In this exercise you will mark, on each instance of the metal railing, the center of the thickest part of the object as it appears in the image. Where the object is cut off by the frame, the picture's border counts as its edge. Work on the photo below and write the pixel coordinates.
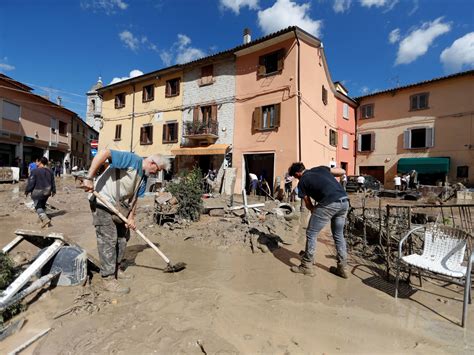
(198, 128)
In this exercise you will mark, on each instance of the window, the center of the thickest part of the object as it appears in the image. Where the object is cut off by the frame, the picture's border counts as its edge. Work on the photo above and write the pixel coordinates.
(172, 87)
(333, 138)
(11, 111)
(367, 111)
(206, 114)
(120, 100)
(148, 93)
(324, 95)
(345, 111)
(77, 146)
(146, 135)
(345, 141)
(54, 125)
(419, 101)
(462, 172)
(271, 63)
(93, 105)
(266, 118)
(77, 128)
(207, 75)
(118, 132)
(366, 142)
(62, 127)
(170, 132)
(422, 137)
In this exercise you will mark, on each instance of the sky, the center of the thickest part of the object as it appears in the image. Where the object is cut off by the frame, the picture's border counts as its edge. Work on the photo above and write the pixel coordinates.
(61, 47)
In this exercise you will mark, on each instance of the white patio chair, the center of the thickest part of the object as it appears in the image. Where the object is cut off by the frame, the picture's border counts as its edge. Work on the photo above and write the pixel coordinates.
(446, 251)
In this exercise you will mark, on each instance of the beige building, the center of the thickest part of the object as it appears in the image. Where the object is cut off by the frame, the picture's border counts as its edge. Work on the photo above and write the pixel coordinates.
(427, 127)
(143, 114)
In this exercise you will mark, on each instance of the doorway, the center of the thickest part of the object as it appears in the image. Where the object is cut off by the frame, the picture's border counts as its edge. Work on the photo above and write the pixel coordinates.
(377, 172)
(262, 165)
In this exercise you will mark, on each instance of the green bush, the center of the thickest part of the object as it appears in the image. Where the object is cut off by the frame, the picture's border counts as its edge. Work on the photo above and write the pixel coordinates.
(7, 275)
(188, 191)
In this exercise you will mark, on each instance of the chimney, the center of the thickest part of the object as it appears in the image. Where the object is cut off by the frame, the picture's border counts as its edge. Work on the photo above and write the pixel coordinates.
(247, 37)
(58, 100)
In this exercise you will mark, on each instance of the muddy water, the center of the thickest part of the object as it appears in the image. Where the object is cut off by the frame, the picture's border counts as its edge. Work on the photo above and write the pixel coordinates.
(229, 300)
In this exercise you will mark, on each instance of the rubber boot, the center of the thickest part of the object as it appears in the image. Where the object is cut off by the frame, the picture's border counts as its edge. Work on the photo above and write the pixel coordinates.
(45, 221)
(122, 275)
(305, 268)
(111, 284)
(340, 270)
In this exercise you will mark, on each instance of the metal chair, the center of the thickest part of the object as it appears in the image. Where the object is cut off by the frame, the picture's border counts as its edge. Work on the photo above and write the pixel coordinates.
(447, 251)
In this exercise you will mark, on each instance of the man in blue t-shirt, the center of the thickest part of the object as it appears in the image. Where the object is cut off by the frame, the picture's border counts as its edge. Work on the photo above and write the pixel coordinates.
(320, 185)
(121, 184)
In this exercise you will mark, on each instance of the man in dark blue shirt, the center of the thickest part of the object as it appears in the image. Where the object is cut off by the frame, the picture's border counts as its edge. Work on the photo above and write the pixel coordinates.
(320, 185)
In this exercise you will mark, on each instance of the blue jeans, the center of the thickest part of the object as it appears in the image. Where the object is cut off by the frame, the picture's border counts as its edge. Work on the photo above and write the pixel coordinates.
(335, 212)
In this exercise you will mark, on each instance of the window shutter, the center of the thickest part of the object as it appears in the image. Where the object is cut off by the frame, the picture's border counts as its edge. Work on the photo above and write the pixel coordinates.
(429, 137)
(214, 113)
(165, 128)
(142, 135)
(175, 132)
(336, 138)
(407, 139)
(261, 66)
(150, 138)
(178, 84)
(196, 114)
(413, 101)
(281, 59)
(256, 119)
(359, 143)
(345, 141)
(345, 111)
(372, 142)
(277, 115)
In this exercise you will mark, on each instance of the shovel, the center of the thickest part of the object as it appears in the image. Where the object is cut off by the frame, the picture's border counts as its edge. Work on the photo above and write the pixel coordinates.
(169, 267)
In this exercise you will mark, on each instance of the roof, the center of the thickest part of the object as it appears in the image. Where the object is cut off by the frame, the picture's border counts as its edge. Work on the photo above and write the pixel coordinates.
(456, 75)
(221, 54)
(16, 83)
(99, 84)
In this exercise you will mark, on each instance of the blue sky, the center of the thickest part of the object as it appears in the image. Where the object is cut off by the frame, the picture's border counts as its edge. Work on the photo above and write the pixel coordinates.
(61, 47)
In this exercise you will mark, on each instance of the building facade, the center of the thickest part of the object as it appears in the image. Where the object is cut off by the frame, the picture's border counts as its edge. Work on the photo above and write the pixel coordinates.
(346, 130)
(208, 113)
(31, 126)
(82, 136)
(425, 127)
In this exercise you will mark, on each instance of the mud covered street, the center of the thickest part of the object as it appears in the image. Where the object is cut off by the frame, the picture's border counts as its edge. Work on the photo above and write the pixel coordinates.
(228, 300)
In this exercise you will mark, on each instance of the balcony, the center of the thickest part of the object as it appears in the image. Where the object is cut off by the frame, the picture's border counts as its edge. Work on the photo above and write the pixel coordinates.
(201, 131)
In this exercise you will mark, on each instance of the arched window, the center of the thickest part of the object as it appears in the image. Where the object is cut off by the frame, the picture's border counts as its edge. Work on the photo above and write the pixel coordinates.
(93, 105)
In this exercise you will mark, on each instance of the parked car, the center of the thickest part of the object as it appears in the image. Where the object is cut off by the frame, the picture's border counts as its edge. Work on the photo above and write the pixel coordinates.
(370, 183)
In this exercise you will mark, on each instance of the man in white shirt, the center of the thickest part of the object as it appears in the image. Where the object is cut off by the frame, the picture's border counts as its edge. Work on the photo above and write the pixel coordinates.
(253, 184)
(397, 181)
(361, 183)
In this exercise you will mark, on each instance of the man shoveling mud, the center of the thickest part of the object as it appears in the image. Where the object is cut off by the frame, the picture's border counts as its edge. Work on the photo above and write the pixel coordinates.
(320, 185)
(121, 184)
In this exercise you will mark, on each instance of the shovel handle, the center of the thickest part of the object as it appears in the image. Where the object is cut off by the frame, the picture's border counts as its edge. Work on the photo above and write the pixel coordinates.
(123, 218)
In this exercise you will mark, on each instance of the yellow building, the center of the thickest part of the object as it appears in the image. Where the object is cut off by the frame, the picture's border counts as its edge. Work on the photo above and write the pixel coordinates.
(143, 114)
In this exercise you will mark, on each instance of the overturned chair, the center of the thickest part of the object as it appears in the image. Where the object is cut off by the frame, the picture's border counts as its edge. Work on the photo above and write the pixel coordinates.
(447, 251)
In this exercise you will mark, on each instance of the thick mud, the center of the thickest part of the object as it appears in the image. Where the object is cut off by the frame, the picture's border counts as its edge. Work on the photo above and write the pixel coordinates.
(228, 299)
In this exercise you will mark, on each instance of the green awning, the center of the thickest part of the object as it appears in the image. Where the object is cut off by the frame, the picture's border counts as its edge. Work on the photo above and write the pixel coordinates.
(424, 165)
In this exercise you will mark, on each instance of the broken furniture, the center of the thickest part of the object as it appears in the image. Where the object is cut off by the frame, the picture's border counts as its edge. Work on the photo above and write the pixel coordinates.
(59, 258)
(446, 250)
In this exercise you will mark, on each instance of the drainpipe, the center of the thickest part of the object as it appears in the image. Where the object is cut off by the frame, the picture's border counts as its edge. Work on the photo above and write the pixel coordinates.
(133, 118)
(299, 99)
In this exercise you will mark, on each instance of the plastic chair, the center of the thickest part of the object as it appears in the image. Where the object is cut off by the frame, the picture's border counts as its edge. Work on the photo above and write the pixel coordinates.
(446, 251)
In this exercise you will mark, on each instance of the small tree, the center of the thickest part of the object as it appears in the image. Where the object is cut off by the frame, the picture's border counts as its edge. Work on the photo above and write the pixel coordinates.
(188, 191)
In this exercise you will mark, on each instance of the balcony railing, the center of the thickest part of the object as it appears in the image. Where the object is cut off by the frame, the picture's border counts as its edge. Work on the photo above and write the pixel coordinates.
(201, 130)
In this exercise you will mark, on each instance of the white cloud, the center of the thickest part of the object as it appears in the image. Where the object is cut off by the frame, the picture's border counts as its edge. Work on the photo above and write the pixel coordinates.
(341, 6)
(181, 52)
(108, 6)
(133, 74)
(416, 5)
(419, 40)
(364, 90)
(235, 5)
(6, 67)
(378, 3)
(460, 54)
(286, 13)
(129, 40)
(394, 36)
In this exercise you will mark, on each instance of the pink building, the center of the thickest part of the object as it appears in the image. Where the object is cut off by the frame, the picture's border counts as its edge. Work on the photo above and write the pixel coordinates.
(346, 129)
(285, 107)
(31, 126)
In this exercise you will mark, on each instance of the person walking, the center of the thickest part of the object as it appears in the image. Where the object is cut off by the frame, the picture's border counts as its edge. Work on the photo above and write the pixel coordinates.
(57, 171)
(253, 184)
(122, 182)
(343, 181)
(361, 183)
(41, 185)
(320, 185)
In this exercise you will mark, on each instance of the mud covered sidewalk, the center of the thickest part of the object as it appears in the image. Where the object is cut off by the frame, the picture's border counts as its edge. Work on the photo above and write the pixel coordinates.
(228, 300)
